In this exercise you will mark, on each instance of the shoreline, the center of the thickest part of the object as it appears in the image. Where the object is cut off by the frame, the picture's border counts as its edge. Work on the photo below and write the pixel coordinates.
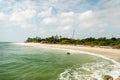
(111, 53)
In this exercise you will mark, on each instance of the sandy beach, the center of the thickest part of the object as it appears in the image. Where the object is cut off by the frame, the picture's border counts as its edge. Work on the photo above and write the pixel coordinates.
(111, 53)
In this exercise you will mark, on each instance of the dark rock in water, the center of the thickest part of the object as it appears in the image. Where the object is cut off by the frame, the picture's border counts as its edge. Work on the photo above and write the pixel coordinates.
(68, 53)
(107, 77)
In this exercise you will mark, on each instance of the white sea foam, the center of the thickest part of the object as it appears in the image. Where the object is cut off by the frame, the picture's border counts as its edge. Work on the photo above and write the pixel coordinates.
(92, 70)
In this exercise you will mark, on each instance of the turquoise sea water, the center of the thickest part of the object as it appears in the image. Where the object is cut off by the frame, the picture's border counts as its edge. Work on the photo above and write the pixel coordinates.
(20, 62)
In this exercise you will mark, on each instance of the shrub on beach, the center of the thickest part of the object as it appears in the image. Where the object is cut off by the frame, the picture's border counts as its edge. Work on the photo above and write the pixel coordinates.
(103, 41)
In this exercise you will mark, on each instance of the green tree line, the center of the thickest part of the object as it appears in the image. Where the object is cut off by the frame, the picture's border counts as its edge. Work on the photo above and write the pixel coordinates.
(102, 41)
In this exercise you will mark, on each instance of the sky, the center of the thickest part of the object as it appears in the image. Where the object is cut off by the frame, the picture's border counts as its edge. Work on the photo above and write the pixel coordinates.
(20, 19)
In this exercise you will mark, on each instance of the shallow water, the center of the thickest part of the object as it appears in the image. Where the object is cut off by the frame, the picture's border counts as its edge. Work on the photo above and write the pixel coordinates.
(19, 62)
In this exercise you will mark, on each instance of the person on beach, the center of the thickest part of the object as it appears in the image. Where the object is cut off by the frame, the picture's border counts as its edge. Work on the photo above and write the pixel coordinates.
(118, 78)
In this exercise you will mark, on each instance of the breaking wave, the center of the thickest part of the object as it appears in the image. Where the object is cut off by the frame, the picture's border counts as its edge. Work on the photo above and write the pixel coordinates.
(92, 71)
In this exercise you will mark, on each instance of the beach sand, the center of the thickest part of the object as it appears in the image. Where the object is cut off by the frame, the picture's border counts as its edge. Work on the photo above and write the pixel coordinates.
(111, 53)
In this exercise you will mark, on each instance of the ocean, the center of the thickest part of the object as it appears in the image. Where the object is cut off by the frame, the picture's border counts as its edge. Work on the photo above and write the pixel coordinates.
(20, 62)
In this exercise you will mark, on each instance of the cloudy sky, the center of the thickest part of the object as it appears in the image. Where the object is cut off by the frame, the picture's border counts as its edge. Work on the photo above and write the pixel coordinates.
(20, 19)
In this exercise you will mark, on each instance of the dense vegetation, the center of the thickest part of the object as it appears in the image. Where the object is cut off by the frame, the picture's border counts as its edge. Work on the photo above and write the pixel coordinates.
(103, 41)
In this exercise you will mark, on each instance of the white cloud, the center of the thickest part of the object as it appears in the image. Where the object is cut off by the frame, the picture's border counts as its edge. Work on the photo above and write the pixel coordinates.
(109, 16)
(86, 24)
(66, 14)
(112, 4)
(53, 1)
(2, 16)
(67, 21)
(45, 13)
(27, 25)
(49, 21)
(23, 5)
(86, 19)
(62, 15)
(22, 18)
(22, 15)
(64, 28)
(82, 20)
(86, 15)
(67, 28)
